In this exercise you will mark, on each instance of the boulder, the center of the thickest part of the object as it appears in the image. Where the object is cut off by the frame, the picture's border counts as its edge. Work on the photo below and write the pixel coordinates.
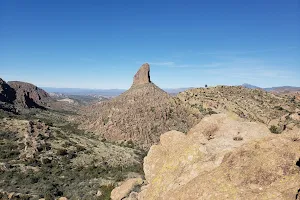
(223, 158)
(125, 188)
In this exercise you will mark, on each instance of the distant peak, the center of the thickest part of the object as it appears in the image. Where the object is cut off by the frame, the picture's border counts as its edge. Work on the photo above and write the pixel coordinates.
(247, 85)
(142, 76)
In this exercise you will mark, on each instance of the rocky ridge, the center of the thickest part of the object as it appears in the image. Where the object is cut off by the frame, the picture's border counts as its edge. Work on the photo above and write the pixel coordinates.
(250, 104)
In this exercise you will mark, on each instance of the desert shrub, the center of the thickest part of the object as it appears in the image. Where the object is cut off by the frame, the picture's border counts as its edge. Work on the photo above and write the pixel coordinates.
(105, 120)
(80, 148)
(278, 108)
(130, 144)
(61, 152)
(106, 190)
(274, 129)
(199, 107)
(210, 111)
(237, 138)
(8, 150)
(49, 196)
(39, 126)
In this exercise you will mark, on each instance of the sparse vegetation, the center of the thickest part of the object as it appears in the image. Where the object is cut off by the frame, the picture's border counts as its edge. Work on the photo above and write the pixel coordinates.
(64, 170)
(237, 138)
(274, 129)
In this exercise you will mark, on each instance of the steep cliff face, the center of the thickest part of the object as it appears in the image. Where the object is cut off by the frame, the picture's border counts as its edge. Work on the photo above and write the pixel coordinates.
(7, 94)
(141, 114)
(223, 158)
(7, 97)
(142, 76)
(29, 95)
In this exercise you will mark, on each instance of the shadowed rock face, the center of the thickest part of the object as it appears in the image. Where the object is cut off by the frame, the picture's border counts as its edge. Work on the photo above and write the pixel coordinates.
(29, 95)
(7, 94)
(7, 97)
(142, 76)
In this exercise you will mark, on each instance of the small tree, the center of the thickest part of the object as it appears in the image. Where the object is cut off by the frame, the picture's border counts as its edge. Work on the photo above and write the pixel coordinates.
(205, 85)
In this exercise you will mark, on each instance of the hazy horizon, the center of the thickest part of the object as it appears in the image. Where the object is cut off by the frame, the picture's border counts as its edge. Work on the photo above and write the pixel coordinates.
(101, 45)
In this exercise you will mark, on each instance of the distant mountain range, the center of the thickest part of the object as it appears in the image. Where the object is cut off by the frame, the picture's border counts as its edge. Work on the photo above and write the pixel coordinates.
(172, 91)
(274, 89)
(102, 92)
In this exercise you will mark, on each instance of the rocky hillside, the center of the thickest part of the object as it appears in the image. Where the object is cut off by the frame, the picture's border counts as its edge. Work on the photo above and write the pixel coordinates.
(139, 115)
(29, 95)
(220, 158)
(44, 156)
(251, 104)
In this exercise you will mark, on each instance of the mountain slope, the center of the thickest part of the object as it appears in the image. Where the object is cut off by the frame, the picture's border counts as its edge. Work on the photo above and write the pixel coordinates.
(141, 114)
(250, 104)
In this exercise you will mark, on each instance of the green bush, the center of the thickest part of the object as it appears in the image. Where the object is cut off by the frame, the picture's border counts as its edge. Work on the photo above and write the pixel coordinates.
(274, 129)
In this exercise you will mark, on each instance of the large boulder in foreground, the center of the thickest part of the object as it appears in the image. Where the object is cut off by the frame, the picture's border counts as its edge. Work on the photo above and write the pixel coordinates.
(223, 158)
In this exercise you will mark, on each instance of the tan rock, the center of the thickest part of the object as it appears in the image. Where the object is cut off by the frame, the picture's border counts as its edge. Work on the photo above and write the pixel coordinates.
(142, 76)
(208, 163)
(132, 196)
(295, 116)
(125, 188)
(99, 193)
(62, 198)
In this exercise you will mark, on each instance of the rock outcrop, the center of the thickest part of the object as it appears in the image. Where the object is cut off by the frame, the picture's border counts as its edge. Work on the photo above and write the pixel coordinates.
(29, 95)
(223, 158)
(7, 97)
(139, 115)
(7, 94)
(142, 76)
(125, 188)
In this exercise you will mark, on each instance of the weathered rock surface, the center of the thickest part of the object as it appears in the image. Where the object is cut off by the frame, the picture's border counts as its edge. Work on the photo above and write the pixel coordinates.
(223, 158)
(139, 115)
(125, 188)
(142, 76)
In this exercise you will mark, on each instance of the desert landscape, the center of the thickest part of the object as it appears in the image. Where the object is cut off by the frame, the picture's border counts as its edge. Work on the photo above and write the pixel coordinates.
(228, 142)
(149, 100)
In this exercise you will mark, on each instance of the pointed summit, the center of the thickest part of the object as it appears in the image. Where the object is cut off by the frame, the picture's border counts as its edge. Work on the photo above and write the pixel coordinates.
(142, 76)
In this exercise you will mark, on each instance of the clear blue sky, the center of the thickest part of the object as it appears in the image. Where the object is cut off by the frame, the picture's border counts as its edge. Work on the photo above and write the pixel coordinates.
(101, 44)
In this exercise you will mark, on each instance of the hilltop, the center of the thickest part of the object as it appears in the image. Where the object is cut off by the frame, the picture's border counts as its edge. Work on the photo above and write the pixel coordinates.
(250, 104)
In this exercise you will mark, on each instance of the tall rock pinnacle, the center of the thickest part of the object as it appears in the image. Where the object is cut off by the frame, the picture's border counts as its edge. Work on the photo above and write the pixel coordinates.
(142, 76)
